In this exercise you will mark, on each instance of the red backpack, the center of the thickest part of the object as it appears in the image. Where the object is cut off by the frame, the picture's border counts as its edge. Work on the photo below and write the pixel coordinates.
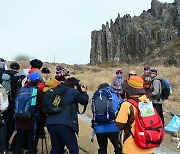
(149, 130)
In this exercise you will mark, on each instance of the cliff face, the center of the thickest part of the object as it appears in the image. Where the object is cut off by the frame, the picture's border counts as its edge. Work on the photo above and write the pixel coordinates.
(136, 39)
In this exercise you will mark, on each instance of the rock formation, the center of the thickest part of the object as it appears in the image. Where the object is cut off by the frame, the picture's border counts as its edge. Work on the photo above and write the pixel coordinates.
(133, 39)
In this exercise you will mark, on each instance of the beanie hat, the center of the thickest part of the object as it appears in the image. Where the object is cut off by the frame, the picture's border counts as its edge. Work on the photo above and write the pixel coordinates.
(34, 76)
(61, 72)
(15, 66)
(134, 86)
(45, 70)
(36, 63)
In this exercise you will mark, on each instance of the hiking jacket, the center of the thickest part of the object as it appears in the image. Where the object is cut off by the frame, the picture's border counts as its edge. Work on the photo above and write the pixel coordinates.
(109, 126)
(125, 120)
(29, 124)
(116, 84)
(147, 83)
(156, 89)
(69, 116)
(51, 84)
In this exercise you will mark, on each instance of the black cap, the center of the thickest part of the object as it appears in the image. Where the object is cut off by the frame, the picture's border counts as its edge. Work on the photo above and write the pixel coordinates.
(45, 70)
(14, 66)
(153, 70)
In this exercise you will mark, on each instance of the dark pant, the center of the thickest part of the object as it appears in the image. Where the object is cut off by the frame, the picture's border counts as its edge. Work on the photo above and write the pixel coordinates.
(8, 117)
(62, 135)
(159, 109)
(102, 139)
(2, 134)
(21, 137)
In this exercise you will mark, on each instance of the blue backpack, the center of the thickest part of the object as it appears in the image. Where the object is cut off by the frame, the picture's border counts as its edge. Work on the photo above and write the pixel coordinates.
(102, 107)
(25, 103)
(166, 89)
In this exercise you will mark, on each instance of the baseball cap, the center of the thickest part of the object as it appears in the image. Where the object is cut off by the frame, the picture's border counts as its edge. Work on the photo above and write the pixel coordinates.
(45, 70)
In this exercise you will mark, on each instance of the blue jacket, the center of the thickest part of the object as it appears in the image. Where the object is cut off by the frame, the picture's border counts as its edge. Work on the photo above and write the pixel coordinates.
(69, 115)
(109, 126)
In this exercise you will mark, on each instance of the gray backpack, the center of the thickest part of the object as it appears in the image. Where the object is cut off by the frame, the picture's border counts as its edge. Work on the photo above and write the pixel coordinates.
(6, 83)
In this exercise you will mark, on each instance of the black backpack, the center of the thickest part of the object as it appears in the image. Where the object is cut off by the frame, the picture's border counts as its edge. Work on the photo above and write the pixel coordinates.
(52, 103)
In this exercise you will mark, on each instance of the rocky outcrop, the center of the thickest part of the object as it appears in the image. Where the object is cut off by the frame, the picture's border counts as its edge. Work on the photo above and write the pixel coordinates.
(133, 39)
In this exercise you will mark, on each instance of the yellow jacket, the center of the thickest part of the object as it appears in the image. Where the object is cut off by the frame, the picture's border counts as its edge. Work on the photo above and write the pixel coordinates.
(51, 84)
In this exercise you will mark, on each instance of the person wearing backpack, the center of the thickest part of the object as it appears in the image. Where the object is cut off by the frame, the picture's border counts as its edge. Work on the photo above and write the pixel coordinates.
(3, 106)
(28, 114)
(105, 129)
(10, 83)
(126, 117)
(155, 94)
(63, 126)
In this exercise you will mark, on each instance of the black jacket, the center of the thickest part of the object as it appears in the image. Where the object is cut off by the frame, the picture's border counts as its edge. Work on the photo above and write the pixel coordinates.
(68, 116)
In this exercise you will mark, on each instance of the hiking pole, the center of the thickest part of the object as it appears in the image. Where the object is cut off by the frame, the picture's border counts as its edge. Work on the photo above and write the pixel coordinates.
(92, 135)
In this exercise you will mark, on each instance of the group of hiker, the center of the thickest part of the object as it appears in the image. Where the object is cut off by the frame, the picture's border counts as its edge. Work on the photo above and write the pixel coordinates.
(32, 99)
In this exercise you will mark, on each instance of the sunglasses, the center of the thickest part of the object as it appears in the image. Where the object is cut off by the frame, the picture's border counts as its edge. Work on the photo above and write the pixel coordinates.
(132, 74)
(118, 72)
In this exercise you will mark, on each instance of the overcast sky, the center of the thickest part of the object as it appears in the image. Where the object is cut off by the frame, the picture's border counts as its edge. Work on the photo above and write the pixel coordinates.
(46, 29)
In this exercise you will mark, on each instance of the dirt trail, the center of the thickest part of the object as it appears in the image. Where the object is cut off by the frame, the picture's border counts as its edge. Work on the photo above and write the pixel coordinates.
(88, 147)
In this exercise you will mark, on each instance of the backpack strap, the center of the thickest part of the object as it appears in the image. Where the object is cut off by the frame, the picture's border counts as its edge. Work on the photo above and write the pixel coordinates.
(133, 102)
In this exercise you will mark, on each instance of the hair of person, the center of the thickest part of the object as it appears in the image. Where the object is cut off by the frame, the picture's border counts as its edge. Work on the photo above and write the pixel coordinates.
(15, 66)
(71, 82)
(103, 85)
(36, 63)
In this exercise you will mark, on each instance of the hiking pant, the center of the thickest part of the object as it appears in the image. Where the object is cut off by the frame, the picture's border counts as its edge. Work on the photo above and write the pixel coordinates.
(8, 117)
(159, 109)
(102, 139)
(62, 135)
(21, 137)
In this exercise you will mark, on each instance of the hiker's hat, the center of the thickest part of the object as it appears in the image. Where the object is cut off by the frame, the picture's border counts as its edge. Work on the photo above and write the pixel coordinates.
(153, 70)
(132, 72)
(45, 70)
(146, 68)
(61, 71)
(119, 70)
(134, 86)
(15, 65)
(34, 76)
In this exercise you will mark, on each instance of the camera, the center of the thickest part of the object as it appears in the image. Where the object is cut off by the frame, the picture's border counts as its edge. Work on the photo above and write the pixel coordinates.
(79, 88)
